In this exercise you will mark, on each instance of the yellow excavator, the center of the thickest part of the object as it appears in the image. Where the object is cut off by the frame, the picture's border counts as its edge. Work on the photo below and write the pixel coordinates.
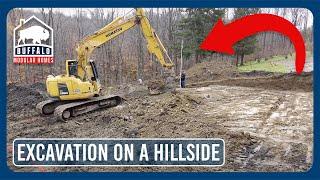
(78, 91)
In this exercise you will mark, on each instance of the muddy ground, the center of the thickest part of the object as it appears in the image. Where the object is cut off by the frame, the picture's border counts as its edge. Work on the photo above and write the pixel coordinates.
(265, 119)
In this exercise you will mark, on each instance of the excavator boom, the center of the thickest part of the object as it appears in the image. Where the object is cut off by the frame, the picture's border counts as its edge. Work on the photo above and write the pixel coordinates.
(115, 28)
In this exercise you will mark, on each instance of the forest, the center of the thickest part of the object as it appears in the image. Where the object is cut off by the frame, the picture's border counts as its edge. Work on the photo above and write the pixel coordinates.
(126, 59)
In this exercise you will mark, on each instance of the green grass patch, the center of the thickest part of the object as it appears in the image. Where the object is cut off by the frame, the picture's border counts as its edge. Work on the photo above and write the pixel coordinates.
(270, 65)
(263, 66)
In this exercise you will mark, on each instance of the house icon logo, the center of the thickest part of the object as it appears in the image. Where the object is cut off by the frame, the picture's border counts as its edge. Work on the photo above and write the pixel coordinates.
(32, 42)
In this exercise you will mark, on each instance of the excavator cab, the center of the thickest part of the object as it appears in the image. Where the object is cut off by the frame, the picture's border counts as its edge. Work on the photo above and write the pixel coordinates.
(72, 67)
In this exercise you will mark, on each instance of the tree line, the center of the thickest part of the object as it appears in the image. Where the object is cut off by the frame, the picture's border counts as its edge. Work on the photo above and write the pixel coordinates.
(125, 58)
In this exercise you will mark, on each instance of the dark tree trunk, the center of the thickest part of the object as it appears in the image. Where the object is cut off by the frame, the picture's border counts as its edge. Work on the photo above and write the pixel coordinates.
(242, 57)
(237, 60)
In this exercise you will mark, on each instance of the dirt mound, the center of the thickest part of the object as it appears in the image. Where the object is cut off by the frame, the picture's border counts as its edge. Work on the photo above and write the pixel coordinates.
(161, 106)
(284, 82)
(210, 70)
(22, 100)
(156, 86)
(38, 86)
(223, 73)
(254, 74)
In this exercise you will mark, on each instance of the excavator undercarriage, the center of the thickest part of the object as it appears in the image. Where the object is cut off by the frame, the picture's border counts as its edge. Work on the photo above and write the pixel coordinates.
(63, 110)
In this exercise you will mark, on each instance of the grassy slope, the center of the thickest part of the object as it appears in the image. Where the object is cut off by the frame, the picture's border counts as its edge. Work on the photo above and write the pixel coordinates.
(270, 65)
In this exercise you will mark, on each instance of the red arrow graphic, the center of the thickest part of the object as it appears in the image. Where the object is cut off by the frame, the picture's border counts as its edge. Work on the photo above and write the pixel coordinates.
(222, 37)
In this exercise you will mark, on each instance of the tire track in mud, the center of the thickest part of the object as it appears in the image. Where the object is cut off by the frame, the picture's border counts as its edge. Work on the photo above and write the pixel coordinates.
(275, 106)
(280, 120)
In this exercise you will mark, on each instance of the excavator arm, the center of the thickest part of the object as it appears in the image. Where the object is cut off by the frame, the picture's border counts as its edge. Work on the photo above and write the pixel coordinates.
(86, 47)
(154, 44)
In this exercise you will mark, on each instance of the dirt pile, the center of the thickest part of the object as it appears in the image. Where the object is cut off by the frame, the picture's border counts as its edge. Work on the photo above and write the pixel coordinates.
(285, 82)
(156, 110)
(223, 73)
(254, 74)
(173, 105)
(22, 100)
(210, 70)
(156, 86)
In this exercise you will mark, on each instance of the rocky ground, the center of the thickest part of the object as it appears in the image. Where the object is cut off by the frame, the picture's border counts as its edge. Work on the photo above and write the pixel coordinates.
(265, 119)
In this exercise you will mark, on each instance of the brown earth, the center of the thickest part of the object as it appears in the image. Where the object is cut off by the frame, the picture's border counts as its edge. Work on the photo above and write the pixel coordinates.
(264, 118)
(283, 82)
(222, 73)
(210, 70)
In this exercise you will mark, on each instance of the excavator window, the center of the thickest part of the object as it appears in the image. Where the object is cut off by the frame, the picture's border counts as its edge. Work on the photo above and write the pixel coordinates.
(73, 68)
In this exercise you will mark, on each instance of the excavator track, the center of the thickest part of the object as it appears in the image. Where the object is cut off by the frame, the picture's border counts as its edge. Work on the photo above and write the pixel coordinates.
(47, 107)
(65, 111)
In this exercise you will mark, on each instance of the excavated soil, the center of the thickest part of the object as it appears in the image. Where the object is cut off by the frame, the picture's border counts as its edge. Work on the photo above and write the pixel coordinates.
(265, 119)
(210, 70)
(223, 73)
(265, 80)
